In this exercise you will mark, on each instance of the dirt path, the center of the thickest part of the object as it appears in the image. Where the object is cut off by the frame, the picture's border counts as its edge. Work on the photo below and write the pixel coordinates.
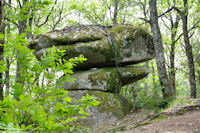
(180, 118)
(189, 122)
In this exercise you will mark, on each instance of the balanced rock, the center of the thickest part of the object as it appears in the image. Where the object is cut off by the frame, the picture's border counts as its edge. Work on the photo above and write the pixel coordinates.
(105, 79)
(108, 50)
(102, 46)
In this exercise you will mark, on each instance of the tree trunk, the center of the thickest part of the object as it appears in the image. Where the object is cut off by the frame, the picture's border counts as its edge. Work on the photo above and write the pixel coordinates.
(115, 12)
(189, 54)
(2, 29)
(198, 71)
(160, 60)
(172, 67)
(30, 22)
(145, 82)
(155, 92)
(22, 26)
(7, 73)
(172, 53)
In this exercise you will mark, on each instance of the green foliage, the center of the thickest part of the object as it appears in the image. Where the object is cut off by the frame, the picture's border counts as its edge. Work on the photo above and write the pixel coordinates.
(180, 101)
(35, 102)
(146, 93)
(141, 100)
(3, 68)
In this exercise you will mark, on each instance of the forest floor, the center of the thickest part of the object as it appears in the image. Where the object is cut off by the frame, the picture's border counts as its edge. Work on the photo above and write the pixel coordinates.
(185, 123)
(177, 119)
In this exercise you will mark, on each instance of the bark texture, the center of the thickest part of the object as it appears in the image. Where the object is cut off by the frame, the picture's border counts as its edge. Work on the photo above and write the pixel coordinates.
(160, 60)
(174, 26)
(7, 75)
(115, 11)
(2, 29)
(188, 48)
(189, 53)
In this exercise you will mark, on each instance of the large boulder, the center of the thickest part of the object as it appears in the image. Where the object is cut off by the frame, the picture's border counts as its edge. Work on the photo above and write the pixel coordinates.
(112, 108)
(105, 79)
(102, 46)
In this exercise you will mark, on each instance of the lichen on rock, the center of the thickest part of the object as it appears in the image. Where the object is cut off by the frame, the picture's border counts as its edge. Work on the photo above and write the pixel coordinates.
(111, 108)
(133, 44)
(105, 79)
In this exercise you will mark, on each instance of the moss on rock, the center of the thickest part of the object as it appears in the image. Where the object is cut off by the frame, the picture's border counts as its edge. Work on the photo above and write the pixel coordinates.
(133, 44)
(105, 79)
(110, 110)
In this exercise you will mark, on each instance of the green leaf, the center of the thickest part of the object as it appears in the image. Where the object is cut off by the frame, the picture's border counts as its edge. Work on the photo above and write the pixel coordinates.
(2, 36)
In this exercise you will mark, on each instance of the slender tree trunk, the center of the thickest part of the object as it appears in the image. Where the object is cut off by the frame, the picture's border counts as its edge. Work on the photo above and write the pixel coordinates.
(155, 93)
(30, 22)
(160, 60)
(172, 54)
(22, 26)
(189, 55)
(145, 82)
(22, 29)
(198, 71)
(2, 29)
(7, 73)
(188, 49)
(172, 67)
(115, 12)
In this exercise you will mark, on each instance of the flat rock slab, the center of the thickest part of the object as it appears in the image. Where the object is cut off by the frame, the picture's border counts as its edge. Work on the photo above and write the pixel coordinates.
(105, 79)
(102, 46)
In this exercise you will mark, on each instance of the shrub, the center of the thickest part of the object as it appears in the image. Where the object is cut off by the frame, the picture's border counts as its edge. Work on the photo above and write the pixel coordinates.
(35, 103)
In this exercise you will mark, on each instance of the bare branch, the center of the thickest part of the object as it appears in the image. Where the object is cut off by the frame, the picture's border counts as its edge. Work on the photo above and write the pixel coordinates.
(148, 21)
(6, 3)
(192, 34)
(179, 11)
(165, 24)
(47, 18)
(166, 12)
(8, 19)
(192, 28)
(20, 5)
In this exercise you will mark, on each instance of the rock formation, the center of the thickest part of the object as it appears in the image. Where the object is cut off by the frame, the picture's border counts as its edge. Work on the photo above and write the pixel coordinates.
(102, 46)
(108, 50)
(105, 79)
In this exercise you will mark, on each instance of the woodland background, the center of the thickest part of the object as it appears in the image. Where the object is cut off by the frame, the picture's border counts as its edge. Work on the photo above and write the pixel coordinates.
(175, 72)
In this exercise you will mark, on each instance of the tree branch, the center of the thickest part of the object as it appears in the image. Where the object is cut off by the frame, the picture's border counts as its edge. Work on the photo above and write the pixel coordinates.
(8, 19)
(148, 21)
(47, 18)
(165, 12)
(193, 27)
(20, 5)
(179, 11)
(165, 24)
